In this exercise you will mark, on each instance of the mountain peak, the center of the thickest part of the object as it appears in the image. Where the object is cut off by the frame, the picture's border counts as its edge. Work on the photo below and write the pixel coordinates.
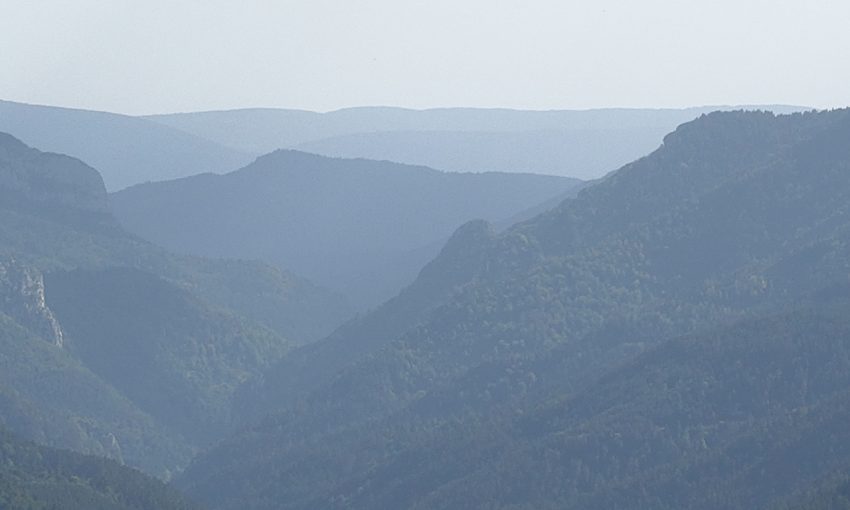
(303, 160)
(288, 154)
(47, 182)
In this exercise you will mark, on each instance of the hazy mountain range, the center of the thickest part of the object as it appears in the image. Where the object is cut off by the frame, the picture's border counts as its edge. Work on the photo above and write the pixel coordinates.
(584, 144)
(131, 150)
(673, 335)
(126, 150)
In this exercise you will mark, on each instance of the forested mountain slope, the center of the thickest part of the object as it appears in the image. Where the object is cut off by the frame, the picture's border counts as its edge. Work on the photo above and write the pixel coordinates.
(39, 478)
(113, 346)
(659, 341)
(832, 495)
(169, 352)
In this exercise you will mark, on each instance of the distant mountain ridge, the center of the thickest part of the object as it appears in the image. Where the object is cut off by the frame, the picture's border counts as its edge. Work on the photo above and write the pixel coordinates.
(131, 150)
(576, 143)
(361, 227)
(126, 150)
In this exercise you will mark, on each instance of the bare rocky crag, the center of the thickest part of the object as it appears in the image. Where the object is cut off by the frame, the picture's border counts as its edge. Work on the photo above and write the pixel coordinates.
(22, 299)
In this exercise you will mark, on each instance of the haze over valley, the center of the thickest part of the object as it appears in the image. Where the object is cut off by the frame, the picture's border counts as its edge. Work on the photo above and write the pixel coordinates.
(590, 257)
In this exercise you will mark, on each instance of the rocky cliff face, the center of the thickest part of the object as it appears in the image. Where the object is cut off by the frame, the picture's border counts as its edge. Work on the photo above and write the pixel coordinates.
(22, 299)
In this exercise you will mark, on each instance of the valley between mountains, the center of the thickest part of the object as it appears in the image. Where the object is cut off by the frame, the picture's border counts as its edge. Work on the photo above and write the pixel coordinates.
(341, 311)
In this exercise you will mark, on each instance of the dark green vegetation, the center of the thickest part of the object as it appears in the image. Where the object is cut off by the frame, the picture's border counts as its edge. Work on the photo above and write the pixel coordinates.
(583, 144)
(677, 336)
(126, 150)
(166, 350)
(833, 495)
(113, 346)
(39, 478)
(364, 228)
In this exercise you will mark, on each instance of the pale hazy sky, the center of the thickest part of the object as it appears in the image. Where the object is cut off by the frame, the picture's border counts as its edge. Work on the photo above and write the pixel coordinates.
(150, 56)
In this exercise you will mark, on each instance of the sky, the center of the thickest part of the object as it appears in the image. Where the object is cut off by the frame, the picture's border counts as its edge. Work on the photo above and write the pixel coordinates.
(155, 56)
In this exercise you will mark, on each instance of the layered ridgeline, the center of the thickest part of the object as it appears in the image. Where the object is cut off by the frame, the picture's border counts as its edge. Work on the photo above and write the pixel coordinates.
(126, 150)
(577, 143)
(110, 345)
(130, 150)
(676, 336)
(364, 228)
(39, 478)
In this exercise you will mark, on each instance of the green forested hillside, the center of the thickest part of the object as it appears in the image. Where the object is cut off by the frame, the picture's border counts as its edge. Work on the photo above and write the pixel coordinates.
(580, 360)
(713, 420)
(833, 495)
(47, 395)
(163, 348)
(39, 478)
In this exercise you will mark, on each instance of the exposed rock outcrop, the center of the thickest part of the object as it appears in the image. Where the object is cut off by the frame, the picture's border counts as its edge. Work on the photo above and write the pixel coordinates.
(22, 299)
